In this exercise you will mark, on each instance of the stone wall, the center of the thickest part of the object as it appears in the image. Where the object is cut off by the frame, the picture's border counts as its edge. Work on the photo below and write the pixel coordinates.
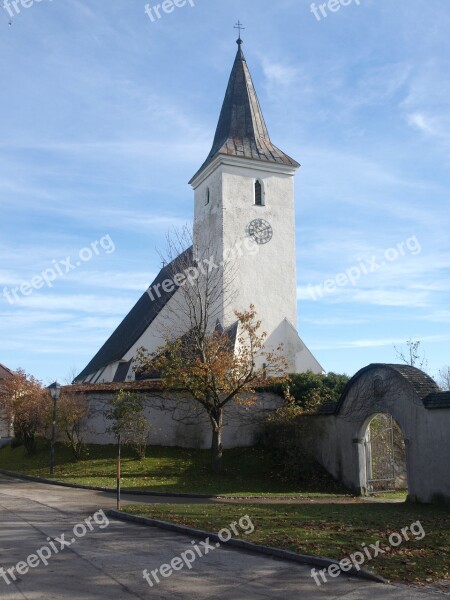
(178, 421)
(337, 441)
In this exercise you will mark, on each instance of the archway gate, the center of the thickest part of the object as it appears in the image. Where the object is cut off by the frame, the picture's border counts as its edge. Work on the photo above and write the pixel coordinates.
(371, 462)
(385, 455)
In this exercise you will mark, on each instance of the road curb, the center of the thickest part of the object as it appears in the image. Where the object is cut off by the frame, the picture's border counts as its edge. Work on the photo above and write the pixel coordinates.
(305, 559)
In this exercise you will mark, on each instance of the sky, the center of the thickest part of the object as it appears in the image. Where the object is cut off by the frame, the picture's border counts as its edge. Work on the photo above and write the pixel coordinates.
(107, 112)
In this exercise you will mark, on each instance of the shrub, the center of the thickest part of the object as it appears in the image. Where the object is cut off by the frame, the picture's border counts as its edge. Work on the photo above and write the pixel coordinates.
(309, 391)
(71, 419)
(24, 401)
(128, 420)
(289, 428)
(286, 430)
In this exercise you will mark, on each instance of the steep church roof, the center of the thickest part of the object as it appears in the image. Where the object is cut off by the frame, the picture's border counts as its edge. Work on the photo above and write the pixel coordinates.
(242, 131)
(138, 319)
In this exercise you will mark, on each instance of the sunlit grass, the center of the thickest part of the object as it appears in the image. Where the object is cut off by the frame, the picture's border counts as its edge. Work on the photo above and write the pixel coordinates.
(247, 471)
(334, 531)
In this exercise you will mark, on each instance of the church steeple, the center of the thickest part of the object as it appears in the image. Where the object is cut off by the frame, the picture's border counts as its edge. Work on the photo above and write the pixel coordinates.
(241, 130)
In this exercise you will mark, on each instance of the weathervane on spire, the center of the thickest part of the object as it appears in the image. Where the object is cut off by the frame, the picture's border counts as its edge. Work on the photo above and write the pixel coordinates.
(239, 26)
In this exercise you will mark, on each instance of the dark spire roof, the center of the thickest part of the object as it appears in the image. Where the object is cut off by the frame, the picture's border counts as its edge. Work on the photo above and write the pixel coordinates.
(137, 321)
(241, 130)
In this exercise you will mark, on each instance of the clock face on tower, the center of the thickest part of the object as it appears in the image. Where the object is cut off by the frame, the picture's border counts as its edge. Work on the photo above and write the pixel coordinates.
(261, 231)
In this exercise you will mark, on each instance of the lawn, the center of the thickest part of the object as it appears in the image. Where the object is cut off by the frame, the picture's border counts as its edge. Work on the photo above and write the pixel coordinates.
(334, 531)
(247, 471)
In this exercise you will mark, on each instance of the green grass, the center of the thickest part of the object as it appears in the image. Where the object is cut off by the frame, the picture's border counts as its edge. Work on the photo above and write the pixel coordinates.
(398, 495)
(247, 471)
(324, 527)
(333, 531)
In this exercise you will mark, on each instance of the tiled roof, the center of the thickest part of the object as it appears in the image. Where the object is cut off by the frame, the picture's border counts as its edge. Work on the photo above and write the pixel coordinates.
(146, 385)
(242, 131)
(327, 408)
(138, 319)
(437, 400)
(109, 388)
(422, 383)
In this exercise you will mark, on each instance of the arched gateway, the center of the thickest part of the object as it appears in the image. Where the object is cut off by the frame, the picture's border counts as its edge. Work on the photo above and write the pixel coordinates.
(400, 411)
(385, 455)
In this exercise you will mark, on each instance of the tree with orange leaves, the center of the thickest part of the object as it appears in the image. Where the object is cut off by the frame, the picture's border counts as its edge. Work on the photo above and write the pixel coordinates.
(24, 401)
(216, 369)
(72, 415)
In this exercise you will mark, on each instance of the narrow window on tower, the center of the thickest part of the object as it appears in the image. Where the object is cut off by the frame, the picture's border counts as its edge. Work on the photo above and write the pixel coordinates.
(258, 193)
(208, 196)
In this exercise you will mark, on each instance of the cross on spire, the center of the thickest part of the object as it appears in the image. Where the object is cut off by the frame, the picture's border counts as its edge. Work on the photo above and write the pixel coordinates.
(239, 26)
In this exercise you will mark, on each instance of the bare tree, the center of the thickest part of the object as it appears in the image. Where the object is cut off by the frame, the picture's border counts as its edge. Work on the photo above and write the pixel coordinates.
(204, 274)
(71, 374)
(412, 355)
(213, 364)
(444, 378)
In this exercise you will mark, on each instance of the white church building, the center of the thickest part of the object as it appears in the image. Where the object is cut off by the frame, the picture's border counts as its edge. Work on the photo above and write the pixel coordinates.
(243, 198)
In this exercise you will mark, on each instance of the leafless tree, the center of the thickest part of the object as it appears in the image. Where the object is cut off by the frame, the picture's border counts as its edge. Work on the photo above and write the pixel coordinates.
(205, 275)
(444, 378)
(412, 355)
(213, 365)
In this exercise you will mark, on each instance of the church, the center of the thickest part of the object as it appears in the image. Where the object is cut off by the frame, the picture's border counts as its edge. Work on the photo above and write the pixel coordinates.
(243, 198)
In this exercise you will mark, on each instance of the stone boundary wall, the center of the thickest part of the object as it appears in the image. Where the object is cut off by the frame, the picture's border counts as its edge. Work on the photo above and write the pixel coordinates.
(179, 421)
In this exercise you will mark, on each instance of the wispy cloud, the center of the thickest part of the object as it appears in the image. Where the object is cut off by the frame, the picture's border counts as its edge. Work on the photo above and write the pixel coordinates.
(375, 343)
(106, 117)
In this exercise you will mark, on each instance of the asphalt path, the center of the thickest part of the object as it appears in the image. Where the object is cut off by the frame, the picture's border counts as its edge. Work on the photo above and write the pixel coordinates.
(109, 559)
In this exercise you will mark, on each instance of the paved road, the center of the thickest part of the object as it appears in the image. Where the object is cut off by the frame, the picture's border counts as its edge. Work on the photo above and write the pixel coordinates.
(108, 562)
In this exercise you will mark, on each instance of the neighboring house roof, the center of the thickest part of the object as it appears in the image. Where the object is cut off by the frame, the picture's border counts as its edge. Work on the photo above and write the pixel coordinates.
(424, 386)
(5, 372)
(242, 131)
(138, 319)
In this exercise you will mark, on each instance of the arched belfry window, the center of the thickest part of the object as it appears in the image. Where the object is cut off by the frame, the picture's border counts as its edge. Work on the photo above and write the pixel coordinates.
(208, 196)
(258, 193)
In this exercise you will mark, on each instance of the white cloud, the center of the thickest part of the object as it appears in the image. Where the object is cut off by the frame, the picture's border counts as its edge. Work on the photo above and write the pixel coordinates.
(374, 342)
(102, 304)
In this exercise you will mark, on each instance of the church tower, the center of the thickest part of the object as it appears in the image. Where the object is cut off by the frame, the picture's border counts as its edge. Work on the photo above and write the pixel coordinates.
(244, 203)
(244, 207)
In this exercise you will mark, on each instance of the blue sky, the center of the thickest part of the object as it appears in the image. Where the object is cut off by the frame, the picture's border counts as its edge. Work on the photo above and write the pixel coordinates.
(106, 115)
